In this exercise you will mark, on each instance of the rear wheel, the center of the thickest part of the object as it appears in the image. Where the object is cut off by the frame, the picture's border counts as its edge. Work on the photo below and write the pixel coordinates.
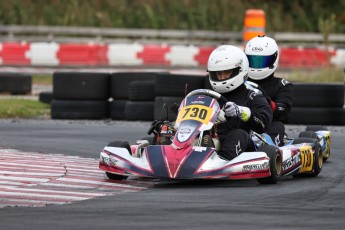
(315, 128)
(275, 164)
(318, 158)
(122, 144)
(309, 134)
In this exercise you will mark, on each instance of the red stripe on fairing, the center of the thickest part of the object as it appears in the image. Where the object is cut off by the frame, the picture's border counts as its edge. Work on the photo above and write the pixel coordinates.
(115, 169)
(128, 162)
(250, 175)
(178, 162)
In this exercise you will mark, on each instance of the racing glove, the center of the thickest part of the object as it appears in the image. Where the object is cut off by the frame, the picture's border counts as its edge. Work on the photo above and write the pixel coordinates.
(233, 110)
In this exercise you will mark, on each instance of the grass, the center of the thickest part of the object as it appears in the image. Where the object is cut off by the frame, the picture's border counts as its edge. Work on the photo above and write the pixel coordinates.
(23, 108)
(40, 79)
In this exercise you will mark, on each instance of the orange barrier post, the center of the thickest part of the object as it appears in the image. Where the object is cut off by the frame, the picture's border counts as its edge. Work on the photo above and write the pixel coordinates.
(254, 24)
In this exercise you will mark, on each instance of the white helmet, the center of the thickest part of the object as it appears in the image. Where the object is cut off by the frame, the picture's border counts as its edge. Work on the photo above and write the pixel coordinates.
(227, 57)
(263, 57)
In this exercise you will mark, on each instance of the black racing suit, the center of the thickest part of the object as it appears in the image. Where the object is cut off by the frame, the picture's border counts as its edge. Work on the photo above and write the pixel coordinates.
(279, 91)
(234, 133)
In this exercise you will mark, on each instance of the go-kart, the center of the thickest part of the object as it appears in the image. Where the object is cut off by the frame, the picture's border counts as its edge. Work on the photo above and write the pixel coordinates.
(303, 155)
(187, 149)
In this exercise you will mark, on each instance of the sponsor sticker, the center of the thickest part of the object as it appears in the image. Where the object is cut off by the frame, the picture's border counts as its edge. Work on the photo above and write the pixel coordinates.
(255, 167)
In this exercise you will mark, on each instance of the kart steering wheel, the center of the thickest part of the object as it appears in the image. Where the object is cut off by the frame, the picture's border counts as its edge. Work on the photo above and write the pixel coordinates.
(210, 93)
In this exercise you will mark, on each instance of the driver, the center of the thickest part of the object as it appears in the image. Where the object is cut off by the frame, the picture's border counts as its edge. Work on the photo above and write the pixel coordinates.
(245, 110)
(263, 56)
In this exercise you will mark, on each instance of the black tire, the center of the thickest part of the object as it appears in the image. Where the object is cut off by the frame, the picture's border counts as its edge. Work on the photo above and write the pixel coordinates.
(81, 86)
(163, 108)
(139, 110)
(73, 109)
(317, 116)
(141, 90)
(275, 156)
(115, 176)
(318, 158)
(117, 109)
(122, 144)
(119, 82)
(178, 85)
(15, 83)
(45, 97)
(316, 128)
(318, 95)
(310, 134)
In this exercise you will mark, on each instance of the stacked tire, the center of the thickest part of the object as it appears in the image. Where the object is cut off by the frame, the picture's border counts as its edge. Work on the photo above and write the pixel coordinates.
(15, 83)
(132, 95)
(170, 90)
(79, 95)
(318, 104)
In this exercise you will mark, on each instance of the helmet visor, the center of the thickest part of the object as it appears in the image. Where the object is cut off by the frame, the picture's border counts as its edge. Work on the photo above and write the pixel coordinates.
(259, 62)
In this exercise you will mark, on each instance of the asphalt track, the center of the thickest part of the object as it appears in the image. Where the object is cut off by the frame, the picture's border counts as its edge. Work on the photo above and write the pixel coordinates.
(293, 203)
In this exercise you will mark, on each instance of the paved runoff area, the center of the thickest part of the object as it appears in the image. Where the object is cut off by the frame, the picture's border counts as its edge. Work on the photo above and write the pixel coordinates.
(36, 179)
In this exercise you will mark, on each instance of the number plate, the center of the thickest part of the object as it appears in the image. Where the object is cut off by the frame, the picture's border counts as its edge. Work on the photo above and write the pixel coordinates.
(307, 158)
(199, 113)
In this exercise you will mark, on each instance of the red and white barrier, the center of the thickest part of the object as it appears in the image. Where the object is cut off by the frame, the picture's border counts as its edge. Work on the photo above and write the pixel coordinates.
(73, 54)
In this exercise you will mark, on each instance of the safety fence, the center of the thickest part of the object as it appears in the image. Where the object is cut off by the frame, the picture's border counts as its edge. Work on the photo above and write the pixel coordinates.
(146, 55)
(147, 96)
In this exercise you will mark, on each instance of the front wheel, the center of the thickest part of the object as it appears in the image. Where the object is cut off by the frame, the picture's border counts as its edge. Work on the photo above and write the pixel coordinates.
(275, 164)
(121, 144)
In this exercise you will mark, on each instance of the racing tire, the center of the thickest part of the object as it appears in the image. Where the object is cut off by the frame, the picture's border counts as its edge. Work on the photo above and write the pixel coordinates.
(122, 144)
(141, 90)
(275, 164)
(120, 81)
(177, 85)
(79, 109)
(164, 108)
(316, 128)
(318, 158)
(45, 97)
(310, 134)
(81, 86)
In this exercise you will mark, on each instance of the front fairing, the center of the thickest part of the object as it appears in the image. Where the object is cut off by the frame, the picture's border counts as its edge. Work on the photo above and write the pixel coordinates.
(197, 113)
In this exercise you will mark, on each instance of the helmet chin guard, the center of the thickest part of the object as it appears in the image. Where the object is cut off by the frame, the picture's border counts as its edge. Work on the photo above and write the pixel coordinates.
(227, 57)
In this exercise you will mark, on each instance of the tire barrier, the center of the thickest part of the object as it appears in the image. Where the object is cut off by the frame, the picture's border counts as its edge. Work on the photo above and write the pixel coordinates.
(139, 110)
(148, 96)
(45, 97)
(163, 107)
(317, 116)
(81, 86)
(318, 104)
(119, 82)
(76, 109)
(141, 90)
(117, 109)
(15, 83)
(177, 85)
